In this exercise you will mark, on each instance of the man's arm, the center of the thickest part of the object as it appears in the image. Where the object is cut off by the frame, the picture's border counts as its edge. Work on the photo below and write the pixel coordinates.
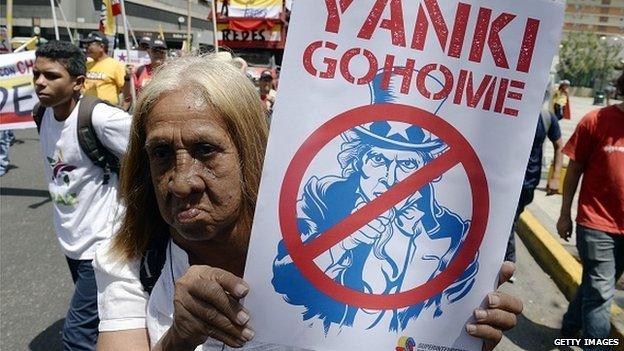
(127, 96)
(564, 224)
(552, 186)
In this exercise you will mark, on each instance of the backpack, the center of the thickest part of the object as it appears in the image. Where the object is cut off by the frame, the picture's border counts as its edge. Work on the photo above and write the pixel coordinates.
(153, 261)
(87, 138)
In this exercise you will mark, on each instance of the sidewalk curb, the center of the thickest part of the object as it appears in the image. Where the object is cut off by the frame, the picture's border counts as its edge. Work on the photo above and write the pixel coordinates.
(558, 263)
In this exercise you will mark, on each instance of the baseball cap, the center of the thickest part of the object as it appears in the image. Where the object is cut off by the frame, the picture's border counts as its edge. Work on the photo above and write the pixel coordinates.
(159, 44)
(95, 36)
(564, 82)
(145, 40)
(266, 75)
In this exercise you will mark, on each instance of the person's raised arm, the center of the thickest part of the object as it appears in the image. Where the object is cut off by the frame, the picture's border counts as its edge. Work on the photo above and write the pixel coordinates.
(573, 174)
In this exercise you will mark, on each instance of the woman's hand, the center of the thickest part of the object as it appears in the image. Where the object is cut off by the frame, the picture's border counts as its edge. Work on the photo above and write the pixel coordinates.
(500, 314)
(206, 306)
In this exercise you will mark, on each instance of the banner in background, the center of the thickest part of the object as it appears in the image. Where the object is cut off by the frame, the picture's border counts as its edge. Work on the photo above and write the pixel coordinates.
(397, 148)
(17, 92)
(110, 9)
(228, 35)
(252, 8)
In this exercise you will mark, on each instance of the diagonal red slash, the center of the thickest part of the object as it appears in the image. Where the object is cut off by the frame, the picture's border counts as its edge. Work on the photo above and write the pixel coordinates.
(463, 154)
(379, 205)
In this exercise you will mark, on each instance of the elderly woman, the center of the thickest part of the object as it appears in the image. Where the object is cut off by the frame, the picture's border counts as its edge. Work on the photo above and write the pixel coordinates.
(190, 180)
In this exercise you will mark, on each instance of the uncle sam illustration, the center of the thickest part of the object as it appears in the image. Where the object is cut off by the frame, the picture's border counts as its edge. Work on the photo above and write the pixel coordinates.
(408, 245)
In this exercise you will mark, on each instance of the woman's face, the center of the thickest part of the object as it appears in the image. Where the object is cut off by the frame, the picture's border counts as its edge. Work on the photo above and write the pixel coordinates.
(194, 166)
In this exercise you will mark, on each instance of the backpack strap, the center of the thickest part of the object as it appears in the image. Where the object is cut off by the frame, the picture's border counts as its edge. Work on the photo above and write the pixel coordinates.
(153, 261)
(37, 113)
(89, 142)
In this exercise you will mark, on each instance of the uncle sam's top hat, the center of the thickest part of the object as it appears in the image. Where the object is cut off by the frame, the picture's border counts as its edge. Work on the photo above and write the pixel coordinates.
(392, 134)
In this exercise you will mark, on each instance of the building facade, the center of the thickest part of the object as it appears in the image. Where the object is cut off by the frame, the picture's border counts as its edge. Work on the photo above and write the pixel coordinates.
(145, 17)
(602, 17)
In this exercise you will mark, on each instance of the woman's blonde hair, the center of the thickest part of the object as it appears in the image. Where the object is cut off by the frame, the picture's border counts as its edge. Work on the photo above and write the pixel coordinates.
(234, 98)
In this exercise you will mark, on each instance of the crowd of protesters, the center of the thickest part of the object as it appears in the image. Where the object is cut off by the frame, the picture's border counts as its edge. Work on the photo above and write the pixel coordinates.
(173, 149)
(147, 209)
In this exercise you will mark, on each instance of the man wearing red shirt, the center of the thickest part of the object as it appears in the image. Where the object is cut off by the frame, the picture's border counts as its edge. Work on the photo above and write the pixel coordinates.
(596, 151)
(157, 53)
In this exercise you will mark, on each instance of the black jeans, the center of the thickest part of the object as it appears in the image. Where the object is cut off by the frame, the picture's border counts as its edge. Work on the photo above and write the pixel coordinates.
(526, 197)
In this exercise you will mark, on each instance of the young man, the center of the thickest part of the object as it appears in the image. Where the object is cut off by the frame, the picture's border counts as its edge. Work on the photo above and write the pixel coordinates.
(106, 76)
(596, 151)
(85, 205)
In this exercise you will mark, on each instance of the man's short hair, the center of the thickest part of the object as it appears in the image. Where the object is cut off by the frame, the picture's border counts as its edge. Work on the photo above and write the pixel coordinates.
(65, 53)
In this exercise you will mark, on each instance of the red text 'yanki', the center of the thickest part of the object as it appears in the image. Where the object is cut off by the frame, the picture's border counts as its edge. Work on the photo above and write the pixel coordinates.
(488, 92)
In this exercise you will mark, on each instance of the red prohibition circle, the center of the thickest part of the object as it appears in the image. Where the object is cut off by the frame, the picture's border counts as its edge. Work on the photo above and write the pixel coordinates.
(459, 152)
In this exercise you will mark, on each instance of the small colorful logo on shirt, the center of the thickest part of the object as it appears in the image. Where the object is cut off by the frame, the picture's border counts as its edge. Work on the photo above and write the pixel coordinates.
(406, 343)
(60, 175)
(96, 75)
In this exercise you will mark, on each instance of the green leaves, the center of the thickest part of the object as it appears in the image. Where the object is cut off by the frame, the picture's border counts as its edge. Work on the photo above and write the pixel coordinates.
(587, 59)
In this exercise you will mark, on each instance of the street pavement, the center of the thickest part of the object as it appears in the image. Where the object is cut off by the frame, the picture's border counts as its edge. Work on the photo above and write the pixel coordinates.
(544, 306)
(35, 284)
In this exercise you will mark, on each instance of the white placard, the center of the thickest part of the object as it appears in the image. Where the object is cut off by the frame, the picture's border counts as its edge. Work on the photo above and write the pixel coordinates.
(136, 58)
(17, 92)
(397, 151)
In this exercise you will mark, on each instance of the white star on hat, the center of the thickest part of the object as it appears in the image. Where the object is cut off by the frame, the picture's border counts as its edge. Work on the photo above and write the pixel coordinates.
(398, 128)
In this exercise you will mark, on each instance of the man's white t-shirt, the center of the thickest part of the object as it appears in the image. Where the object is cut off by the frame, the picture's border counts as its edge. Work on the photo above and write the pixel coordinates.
(86, 211)
(123, 304)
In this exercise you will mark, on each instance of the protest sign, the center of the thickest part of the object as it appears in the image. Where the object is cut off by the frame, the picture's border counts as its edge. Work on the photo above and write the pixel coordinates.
(136, 58)
(17, 93)
(397, 151)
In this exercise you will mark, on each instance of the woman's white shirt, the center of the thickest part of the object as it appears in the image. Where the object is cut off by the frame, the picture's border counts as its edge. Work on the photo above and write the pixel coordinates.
(123, 304)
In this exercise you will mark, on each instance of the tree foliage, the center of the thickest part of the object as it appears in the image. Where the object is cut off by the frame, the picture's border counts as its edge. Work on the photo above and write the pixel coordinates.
(588, 60)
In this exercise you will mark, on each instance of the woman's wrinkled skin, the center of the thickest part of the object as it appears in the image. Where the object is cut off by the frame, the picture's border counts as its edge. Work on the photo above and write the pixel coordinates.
(194, 167)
